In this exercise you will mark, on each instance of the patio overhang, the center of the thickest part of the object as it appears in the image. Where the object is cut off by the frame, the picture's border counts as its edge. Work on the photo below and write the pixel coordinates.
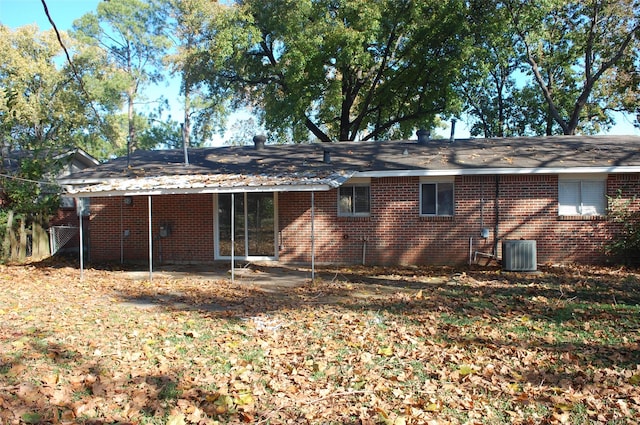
(202, 184)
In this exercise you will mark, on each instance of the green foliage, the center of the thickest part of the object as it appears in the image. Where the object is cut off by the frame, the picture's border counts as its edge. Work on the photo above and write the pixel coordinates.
(44, 114)
(342, 70)
(131, 37)
(541, 67)
(625, 214)
(579, 55)
(326, 70)
(30, 196)
(186, 26)
(44, 106)
(156, 133)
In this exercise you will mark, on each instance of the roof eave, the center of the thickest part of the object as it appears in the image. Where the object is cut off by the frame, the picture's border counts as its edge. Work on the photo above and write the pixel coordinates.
(499, 171)
(203, 190)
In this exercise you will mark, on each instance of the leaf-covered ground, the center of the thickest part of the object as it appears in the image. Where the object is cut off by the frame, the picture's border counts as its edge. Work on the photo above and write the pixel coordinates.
(360, 346)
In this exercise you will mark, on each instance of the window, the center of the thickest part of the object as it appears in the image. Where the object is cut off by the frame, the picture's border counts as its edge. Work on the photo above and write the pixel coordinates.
(83, 206)
(582, 197)
(67, 202)
(354, 200)
(436, 199)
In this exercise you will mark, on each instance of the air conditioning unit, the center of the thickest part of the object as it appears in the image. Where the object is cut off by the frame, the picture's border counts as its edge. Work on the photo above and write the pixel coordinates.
(519, 255)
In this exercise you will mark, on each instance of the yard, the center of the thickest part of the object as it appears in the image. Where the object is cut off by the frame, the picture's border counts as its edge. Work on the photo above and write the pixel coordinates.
(358, 346)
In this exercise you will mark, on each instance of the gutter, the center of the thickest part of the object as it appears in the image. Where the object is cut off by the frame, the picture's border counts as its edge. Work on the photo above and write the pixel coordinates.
(499, 171)
(202, 190)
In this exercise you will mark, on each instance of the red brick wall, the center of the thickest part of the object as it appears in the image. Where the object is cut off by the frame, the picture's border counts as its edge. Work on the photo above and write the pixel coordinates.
(393, 233)
(119, 228)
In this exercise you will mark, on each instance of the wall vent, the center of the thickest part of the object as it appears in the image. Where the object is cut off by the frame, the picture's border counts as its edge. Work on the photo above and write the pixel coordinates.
(519, 255)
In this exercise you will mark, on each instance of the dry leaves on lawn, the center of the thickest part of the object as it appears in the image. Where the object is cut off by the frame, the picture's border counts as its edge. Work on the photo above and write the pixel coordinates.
(362, 346)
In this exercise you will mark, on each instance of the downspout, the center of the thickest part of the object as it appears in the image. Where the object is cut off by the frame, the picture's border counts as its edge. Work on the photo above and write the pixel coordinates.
(121, 231)
(81, 242)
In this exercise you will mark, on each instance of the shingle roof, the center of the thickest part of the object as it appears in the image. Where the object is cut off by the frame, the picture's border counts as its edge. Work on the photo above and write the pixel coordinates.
(304, 164)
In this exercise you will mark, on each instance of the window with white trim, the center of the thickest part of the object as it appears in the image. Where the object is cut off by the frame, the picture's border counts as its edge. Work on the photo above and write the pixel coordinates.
(436, 198)
(354, 200)
(582, 197)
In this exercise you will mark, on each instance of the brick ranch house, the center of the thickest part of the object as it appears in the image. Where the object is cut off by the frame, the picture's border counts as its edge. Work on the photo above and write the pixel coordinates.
(395, 202)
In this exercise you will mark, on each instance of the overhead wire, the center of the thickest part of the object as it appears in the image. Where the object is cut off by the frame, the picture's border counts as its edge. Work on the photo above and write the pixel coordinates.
(71, 64)
(7, 176)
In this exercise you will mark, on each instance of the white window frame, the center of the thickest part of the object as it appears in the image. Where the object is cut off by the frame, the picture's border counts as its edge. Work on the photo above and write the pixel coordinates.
(353, 184)
(437, 182)
(584, 187)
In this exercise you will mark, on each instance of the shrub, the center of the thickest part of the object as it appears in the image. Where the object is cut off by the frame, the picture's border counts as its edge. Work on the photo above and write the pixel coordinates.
(625, 244)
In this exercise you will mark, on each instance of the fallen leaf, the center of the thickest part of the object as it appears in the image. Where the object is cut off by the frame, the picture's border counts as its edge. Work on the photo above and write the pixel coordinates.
(385, 351)
(177, 419)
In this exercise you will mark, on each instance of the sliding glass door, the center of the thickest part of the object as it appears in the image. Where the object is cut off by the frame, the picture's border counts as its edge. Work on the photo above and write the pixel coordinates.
(254, 225)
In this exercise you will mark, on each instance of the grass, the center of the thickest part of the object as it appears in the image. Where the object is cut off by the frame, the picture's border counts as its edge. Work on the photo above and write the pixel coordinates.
(409, 346)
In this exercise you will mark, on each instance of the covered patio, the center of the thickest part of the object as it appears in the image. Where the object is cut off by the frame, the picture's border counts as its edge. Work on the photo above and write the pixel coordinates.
(234, 189)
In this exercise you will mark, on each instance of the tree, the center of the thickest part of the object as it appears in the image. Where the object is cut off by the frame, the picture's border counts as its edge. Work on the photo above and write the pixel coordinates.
(187, 21)
(129, 32)
(582, 56)
(157, 132)
(488, 78)
(243, 131)
(338, 69)
(43, 113)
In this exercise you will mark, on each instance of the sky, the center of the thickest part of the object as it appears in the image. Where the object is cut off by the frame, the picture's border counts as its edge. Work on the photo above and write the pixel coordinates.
(16, 13)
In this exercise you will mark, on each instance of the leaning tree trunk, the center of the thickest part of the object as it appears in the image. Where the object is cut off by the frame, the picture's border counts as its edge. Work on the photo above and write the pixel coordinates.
(40, 238)
(9, 236)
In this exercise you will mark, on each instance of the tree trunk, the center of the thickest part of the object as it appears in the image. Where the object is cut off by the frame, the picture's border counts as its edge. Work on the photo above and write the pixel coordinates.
(40, 238)
(187, 116)
(21, 253)
(9, 236)
(132, 143)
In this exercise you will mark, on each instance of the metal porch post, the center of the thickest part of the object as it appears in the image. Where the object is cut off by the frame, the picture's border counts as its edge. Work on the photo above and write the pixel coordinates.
(313, 239)
(80, 216)
(150, 243)
(233, 239)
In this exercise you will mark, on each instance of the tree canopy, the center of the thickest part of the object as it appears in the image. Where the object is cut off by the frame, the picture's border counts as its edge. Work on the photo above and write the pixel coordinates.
(553, 67)
(43, 110)
(334, 70)
(340, 70)
(131, 35)
(44, 113)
